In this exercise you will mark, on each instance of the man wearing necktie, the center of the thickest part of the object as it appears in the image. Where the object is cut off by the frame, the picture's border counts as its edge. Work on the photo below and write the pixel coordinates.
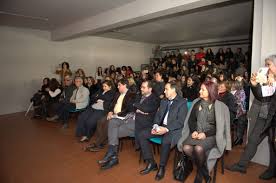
(170, 120)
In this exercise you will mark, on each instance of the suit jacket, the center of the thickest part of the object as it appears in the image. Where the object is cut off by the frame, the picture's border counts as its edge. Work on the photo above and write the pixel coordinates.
(127, 105)
(223, 136)
(259, 108)
(150, 106)
(176, 118)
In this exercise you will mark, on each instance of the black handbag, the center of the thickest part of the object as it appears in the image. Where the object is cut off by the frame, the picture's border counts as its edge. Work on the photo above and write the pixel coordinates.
(183, 167)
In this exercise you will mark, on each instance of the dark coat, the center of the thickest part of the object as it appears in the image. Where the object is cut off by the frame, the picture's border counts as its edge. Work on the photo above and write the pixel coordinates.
(150, 106)
(229, 100)
(190, 93)
(107, 98)
(259, 107)
(176, 118)
(127, 105)
(158, 88)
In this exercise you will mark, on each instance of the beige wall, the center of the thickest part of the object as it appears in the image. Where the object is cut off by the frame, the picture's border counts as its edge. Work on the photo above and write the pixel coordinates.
(28, 55)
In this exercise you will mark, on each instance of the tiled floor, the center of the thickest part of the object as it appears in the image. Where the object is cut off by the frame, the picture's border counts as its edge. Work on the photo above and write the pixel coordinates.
(35, 151)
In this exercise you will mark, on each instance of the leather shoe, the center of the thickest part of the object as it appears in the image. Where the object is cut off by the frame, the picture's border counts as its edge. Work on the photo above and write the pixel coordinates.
(267, 175)
(237, 168)
(238, 141)
(111, 153)
(150, 167)
(208, 179)
(112, 162)
(160, 174)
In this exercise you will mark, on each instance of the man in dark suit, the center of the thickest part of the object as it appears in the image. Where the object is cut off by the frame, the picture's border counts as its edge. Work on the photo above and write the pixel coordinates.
(169, 120)
(120, 107)
(146, 107)
(124, 127)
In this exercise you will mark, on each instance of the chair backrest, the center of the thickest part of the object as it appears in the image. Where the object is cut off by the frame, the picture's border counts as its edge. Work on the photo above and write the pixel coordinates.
(189, 105)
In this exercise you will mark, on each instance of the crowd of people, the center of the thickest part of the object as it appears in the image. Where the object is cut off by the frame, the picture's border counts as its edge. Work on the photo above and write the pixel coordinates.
(191, 100)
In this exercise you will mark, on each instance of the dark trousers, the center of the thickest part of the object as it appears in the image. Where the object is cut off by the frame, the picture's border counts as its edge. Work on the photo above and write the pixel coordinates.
(241, 126)
(253, 141)
(87, 122)
(101, 131)
(272, 150)
(146, 149)
(64, 111)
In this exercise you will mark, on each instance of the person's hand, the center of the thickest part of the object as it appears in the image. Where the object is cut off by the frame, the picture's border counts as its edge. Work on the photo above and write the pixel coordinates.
(109, 115)
(253, 79)
(47, 89)
(153, 132)
(194, 134)
(201, 136)
(239, 78)
(162, 130)
(270, 79)
(141, 112)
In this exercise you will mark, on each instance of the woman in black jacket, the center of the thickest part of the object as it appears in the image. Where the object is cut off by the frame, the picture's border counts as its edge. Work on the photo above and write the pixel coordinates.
(100, 103)
(227, 98)
(190, 91)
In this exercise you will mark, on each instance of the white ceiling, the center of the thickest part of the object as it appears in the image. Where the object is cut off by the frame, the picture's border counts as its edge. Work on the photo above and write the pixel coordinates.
(58, 12)
(207, 23)
(228, 21)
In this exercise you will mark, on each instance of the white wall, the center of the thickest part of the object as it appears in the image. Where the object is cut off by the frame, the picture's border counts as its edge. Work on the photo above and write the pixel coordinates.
(29, 55)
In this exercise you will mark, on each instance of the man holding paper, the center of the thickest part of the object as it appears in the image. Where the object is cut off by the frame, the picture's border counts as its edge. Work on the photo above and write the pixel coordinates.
(168, 124)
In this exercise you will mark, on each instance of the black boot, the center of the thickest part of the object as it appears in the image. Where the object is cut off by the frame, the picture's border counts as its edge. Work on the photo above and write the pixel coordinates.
(198, 178)
(112, 162)
(151, 166)
(160, 174)
(110, 152)
(205, 174)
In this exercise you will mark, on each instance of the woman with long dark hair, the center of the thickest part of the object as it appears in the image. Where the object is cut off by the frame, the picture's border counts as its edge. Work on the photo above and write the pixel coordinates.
(100, 103)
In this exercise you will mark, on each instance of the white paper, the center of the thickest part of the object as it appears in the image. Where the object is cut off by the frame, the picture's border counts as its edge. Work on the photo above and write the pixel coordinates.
(268, 91)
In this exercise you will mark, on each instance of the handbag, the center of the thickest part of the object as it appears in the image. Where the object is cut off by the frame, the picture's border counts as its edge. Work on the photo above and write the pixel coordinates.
(183, 167)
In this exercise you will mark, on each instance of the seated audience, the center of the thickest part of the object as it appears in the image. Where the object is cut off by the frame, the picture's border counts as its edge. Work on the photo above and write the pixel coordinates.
(206, 127)
(190, 91)
(39, 96)
(100, 103)
(146, 107)
(227, 98)
(120, 107)
(49, 102)
(168, 124)
(79, 100)
(158, 84)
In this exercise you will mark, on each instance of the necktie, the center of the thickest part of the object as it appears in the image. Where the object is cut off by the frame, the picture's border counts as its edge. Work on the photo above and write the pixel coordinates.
(142, 99)
(76, 94)
(169, 103)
